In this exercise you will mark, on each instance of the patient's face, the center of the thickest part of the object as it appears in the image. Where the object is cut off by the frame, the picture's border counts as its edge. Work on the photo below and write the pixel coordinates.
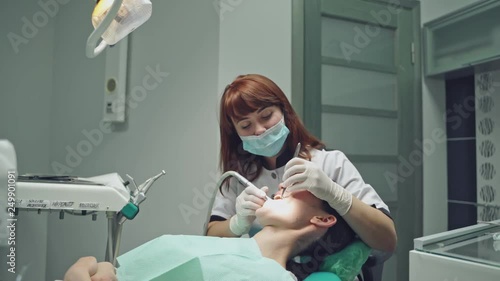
(290, 209)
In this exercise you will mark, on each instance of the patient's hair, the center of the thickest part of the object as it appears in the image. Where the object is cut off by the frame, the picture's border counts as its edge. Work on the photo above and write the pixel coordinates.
(336, 238)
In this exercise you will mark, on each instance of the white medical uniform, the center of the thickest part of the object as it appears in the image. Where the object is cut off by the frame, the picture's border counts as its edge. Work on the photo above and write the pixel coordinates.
(333, 163)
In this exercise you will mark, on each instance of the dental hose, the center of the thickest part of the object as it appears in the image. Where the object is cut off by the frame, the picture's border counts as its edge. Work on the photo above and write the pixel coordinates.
(114, 237)
(109, 246)
(117, 246)
(223, 177)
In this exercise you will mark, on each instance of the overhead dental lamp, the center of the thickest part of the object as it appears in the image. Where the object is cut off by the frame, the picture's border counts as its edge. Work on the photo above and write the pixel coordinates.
(113, 20)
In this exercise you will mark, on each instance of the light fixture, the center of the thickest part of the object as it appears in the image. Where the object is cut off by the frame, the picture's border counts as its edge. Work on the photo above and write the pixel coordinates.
(115, 19)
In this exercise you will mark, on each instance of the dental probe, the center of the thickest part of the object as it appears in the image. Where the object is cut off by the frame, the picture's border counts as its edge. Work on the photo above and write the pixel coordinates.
(295, 154)
(297, 150)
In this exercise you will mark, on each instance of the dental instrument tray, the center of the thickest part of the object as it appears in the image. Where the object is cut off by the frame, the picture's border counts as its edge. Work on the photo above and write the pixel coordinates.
(54, 179)
(101, 193)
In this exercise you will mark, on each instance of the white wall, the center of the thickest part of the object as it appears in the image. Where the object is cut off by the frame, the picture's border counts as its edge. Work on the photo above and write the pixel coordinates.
(173, 128)
(435, 206)
(26, 80)
(256, 37)
(55, 94)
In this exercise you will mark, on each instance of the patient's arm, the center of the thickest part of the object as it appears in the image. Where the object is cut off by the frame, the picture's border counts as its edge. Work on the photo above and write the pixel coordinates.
(87, 269)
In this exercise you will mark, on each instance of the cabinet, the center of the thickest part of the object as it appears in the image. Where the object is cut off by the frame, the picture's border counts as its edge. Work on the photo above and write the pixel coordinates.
(469, 253)
(463, 39)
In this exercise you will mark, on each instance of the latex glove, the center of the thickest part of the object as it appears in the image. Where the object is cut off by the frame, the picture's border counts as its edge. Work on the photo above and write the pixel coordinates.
(301, 174)
(247, 203)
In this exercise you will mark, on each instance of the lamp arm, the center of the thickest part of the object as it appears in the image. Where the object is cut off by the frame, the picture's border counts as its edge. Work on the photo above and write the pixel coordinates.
(92, 51)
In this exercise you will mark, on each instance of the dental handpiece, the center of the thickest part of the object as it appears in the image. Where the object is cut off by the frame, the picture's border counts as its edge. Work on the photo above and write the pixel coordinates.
(147, 184)
(140, 192)
(245, 182)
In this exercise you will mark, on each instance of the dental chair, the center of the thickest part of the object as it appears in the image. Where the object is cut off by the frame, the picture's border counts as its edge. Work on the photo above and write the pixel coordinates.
(373, 268)
(357, 260)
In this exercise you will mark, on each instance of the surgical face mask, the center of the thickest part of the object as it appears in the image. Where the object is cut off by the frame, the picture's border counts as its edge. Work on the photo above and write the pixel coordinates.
(269, 143)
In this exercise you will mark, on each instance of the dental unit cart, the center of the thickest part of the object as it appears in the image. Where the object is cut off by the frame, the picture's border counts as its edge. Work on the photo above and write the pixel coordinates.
(469, 253)
(107, 193)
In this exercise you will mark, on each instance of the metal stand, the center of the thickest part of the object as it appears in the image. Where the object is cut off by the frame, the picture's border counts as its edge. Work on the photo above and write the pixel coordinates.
(114, 237)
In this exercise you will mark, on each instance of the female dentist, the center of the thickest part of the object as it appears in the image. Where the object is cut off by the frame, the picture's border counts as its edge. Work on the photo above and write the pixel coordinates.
(259, 131)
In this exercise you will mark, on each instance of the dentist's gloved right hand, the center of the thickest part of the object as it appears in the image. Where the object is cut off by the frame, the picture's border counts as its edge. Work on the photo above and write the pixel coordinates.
(247, 203)
(301, 174)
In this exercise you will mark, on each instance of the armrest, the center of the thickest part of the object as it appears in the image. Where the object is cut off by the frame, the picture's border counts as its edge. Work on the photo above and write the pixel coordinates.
(373, 267)
(376, 258)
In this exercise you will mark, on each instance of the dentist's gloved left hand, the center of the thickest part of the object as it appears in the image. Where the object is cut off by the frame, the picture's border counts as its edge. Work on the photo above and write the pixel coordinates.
(247, 203)
(301, 174)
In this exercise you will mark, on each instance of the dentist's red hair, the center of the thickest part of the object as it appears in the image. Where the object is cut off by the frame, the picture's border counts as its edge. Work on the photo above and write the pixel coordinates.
(246, 94)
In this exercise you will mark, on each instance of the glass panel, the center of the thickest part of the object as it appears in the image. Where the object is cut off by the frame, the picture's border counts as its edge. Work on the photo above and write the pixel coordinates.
(354, 41)
(359, 88)
(478, 247)
(360, 134)
(376, 175)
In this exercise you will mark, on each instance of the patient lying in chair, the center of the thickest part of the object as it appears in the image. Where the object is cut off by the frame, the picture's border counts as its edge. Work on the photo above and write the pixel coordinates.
(297, 225)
